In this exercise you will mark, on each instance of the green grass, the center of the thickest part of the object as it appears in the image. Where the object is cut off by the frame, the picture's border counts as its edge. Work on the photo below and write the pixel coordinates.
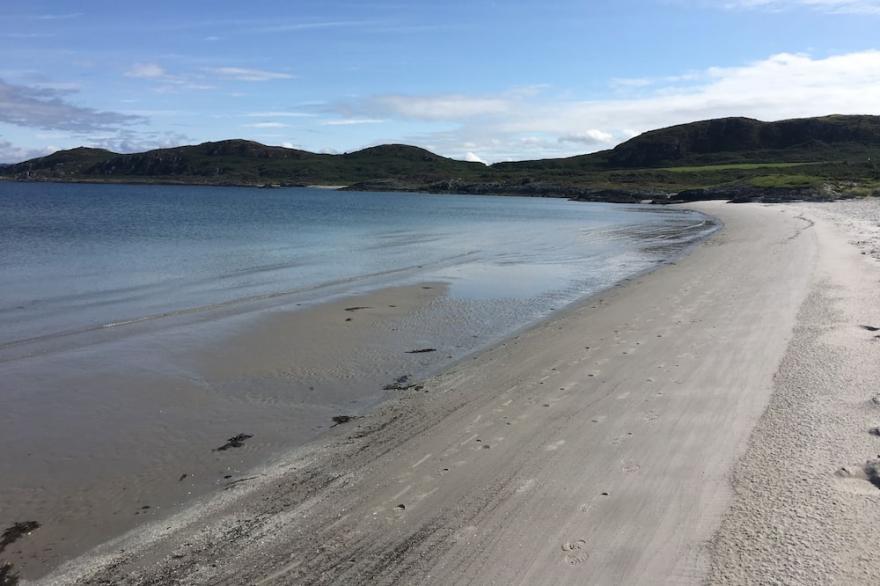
(735, 167)
(785, 181)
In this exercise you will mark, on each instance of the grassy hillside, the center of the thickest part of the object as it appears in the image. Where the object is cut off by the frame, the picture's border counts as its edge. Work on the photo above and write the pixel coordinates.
(830, 155)
(243, 162)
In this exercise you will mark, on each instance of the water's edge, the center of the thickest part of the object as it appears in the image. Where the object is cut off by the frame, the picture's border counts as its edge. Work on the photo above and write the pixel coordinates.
(304, 451)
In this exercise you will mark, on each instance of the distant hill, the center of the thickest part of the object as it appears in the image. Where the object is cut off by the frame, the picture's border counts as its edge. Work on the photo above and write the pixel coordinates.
(724, 155)
(730, 141)
(241, 162)
(747, 140)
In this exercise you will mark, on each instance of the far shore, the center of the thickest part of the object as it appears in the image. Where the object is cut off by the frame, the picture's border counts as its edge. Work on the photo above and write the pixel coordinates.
(657, 433)
(582, 193)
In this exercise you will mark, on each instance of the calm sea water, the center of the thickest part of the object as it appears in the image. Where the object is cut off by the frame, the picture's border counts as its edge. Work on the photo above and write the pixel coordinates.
(80, 257)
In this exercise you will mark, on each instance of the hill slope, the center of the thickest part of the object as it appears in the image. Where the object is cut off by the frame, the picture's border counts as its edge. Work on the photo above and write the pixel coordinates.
(242, 162)
(745, 139)
(725, 155)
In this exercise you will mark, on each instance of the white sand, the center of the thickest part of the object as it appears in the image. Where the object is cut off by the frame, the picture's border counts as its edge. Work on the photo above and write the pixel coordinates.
(804, 511)
(596, 448)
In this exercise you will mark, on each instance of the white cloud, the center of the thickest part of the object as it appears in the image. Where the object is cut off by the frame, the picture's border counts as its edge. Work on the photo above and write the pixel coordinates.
(589, 137)
(242, 74)
(508, 126)
(147, 71)
(473, 158)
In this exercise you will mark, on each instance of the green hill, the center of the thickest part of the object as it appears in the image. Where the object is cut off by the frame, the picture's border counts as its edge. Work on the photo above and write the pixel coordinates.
(748, 140)
(830, 155)
(242, 162)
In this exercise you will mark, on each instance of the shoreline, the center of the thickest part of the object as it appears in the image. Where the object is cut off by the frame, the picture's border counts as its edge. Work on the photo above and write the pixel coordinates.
(578, 193)
(322, 477)
(313, 363)
(562, 490)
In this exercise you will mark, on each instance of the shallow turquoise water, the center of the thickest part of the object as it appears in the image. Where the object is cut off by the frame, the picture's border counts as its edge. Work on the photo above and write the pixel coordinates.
(75, 257)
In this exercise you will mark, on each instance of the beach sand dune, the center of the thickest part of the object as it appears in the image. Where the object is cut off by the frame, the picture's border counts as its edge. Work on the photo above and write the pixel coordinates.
(599, 447)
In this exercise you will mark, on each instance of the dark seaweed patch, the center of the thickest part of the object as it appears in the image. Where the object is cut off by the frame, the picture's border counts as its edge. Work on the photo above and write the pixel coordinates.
(235, 441)
(16, 532)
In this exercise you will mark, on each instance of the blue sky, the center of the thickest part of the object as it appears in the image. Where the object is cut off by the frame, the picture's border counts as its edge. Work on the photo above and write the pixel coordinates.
(482, 80)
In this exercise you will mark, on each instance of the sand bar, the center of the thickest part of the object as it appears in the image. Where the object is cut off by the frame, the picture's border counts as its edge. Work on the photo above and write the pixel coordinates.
(598, 447)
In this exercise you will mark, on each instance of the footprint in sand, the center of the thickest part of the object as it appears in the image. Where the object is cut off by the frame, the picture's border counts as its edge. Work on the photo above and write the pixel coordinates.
(860, 478)
(631, 467)
(527, 486)
(466, 534)
(554, 446)
(575, 552)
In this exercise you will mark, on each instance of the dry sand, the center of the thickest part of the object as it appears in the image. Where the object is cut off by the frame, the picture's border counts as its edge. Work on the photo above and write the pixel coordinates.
(806, 511)
(599, 447)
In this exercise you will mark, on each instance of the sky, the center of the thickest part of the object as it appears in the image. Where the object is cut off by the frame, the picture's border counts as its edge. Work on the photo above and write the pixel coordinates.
(477, 79)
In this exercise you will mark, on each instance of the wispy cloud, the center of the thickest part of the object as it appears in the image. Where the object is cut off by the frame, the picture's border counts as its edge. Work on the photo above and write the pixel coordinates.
(147, 71)
(27, 35)
(167, 82)
(280, 114)
(266, 125)
(305, 26)
(64, 16)
(243, 74)
(199, 80)
(630, 82)
(47, 109)
(440, 107)
(828, 6)
(352, 121)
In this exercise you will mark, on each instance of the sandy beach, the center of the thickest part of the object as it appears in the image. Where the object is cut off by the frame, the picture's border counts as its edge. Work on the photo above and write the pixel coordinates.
(118, 390)
(709, 421)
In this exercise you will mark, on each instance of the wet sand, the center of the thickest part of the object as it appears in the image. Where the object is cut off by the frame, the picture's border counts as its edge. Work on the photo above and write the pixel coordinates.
(609, 444)
(138, 440)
